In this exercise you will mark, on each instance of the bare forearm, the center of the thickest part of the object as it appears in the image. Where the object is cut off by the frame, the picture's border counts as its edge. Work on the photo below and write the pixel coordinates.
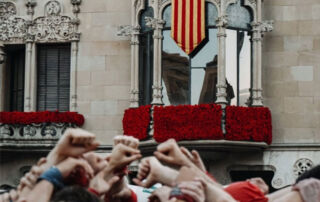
(41, 192)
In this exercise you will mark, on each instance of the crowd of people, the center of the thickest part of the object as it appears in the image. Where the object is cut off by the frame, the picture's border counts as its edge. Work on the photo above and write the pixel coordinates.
(73, 172)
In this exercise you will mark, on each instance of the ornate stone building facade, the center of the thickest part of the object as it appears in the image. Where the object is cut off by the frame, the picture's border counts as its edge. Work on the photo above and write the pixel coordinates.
(117, 51)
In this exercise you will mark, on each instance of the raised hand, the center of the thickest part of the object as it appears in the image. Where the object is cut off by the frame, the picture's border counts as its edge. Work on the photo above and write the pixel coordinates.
(73, 143)
(170, 153)
(194, 157)
(103, 182)
(152, 172)
(126, 140)
(122, 156)
(69, 164)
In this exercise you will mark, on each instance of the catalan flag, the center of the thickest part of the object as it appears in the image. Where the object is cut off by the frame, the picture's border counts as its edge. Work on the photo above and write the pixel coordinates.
(188, 23)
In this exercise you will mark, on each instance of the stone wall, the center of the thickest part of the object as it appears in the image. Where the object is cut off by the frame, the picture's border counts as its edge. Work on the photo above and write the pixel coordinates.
(104, 67)
(291, 70)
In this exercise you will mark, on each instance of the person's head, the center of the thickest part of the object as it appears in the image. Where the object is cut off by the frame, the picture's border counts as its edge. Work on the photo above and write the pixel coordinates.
(74, 194)
(96, 162)
(313, 172)
(259, 182)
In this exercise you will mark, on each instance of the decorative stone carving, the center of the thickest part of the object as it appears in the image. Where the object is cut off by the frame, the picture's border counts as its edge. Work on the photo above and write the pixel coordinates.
(6, 130)
(49, 131)
(278, 182)
(222, 21)
(2, 54)
(28, 130)
(125, 30)
(76, 6)
(34, 134)
(53, 26)
(154, 23)
(253, 2)
(30, 4)
(52, 8)
(266, 26)
(11, 27)
(301, 166)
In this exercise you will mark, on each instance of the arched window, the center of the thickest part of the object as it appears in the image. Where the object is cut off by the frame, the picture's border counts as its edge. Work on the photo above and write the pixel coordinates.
(190, 79)
(238, 54)
(145, 57)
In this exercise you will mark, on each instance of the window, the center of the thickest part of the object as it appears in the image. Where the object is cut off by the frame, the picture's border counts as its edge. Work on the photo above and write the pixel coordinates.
(15, 71)
(190, 79)
(53, 67)
(238, 54)
(234, 34)
(145, 58)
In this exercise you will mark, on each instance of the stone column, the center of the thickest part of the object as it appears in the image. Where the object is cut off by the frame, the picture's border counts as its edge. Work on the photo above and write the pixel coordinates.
(134, 102)
(73, 75)
(33, 80)
(157, 26)
(256, 85)
(259, 27)
(133, 32)
(29, 69)
(74, 38)
(221, 84)
(30, 63)
(2, 64)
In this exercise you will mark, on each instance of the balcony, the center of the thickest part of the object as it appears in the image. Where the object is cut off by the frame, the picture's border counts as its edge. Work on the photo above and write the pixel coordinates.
(34, 130)
(208, 128)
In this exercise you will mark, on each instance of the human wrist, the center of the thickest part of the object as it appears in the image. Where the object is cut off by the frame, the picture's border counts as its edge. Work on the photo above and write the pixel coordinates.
(170, 176)
(53, 176)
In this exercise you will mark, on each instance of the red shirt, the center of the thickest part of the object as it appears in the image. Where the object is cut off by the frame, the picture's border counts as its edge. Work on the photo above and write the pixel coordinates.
(246, 192)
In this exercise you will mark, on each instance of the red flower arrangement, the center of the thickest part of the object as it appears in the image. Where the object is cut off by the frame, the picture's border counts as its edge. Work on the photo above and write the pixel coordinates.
(136, 122)
(187, 122)
(248, 124)
(41, 117)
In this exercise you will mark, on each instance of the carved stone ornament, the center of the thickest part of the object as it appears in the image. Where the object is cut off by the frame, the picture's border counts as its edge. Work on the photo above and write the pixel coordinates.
(266, 26)
(76, 6)
(11, 27)
(125, 30)
(30, 4)
(53, 26)
(49, 131)
(301, 166)
(222, 21)
(154, 23)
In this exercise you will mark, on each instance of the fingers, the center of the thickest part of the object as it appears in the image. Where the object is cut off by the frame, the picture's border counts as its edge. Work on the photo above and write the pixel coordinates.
(132, 158)
(5, 197)
(196, 155)
(84, 164)
(163, 157)
(113, 180)
(167, 146)
(186, 152)
(14, 195)
(193, 189)
(41, 161)
(126, 140)
(25, 182)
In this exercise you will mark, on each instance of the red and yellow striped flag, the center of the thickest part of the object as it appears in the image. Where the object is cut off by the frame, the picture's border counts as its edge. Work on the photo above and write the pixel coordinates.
(188, 23)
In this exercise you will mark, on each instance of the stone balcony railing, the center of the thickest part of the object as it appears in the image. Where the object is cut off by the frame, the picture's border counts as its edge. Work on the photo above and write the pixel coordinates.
(42, 135)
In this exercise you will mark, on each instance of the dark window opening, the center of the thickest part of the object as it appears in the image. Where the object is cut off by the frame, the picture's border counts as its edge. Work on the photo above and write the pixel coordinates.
(145, 57)
(241, 175)
(53, 91)
(14, 81)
